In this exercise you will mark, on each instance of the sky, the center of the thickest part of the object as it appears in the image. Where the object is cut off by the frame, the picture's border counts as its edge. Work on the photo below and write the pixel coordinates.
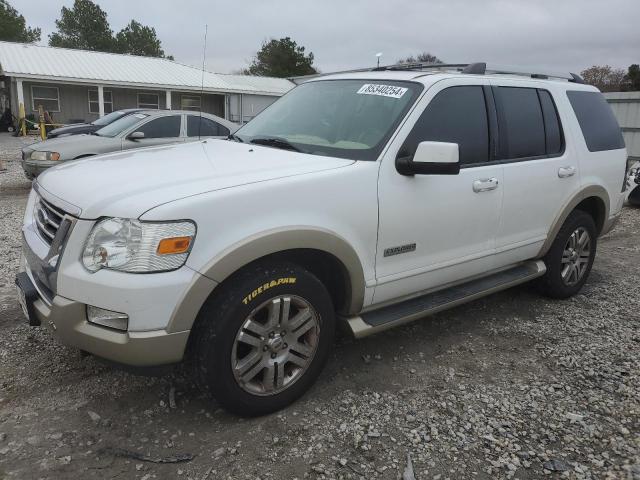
(554, 35)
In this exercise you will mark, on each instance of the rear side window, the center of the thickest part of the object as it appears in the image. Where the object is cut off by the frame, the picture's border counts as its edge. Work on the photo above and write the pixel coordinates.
(522, 125)
(204, 127)
(163, 127)
(456, 115)
(597, 122)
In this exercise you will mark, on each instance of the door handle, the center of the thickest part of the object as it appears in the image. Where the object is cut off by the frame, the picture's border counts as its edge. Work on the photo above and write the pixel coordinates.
(564, 172)
(485, 184)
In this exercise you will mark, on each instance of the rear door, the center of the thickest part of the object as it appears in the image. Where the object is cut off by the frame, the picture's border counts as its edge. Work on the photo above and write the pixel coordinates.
(157, 131)
(204, 127)
(540, 167)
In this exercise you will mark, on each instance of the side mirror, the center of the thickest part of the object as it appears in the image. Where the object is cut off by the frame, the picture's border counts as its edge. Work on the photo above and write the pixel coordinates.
(431, 158)
(136, 136)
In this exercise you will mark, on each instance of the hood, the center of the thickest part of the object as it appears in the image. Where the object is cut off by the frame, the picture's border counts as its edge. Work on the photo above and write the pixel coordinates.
(75, 128)
(127, 184)
(72, 146)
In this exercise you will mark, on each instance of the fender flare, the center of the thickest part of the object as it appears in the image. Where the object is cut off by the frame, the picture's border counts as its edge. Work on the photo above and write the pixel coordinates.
(261, 245)
(596, 191)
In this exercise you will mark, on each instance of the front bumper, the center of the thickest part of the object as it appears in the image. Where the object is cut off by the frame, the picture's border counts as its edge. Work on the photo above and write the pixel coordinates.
(67, 321)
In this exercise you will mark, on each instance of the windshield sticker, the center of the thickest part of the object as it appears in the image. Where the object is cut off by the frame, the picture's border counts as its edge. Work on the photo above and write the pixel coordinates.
(382, 90)
(139, 115)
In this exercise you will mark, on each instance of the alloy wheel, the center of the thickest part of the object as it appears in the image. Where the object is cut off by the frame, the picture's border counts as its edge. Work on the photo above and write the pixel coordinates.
(275, 345)
(576, 256)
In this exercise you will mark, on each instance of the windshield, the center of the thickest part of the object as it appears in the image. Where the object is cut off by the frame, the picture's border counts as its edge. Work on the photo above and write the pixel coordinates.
(340, 118)
(116, 128)
(107, 119)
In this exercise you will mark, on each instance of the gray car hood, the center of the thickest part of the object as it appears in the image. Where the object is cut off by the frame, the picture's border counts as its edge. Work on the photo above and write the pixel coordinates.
(126, 184)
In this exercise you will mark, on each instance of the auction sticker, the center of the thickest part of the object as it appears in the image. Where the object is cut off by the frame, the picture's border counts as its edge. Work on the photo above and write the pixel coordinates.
(382, 90)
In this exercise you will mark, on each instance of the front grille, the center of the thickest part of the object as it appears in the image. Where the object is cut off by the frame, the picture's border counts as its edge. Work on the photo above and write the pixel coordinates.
(48, 219)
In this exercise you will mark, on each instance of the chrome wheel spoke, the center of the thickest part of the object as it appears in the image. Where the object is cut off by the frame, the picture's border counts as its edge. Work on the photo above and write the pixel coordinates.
(299, 319)
(247, 362)
(565, 272)
(254, 327)
(279, 375)
(299, 361)
(583, 240)
(249, 339)
(302, 349)
(274, 314)
(252, 372)
(269, 378)
(286, 308)
(566, 257)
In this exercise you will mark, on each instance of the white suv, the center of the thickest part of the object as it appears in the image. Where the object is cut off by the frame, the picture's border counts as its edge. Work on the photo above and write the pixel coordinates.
(370, 198)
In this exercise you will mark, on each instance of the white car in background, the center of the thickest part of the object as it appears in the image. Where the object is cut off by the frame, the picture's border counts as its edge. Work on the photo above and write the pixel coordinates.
(145, 128)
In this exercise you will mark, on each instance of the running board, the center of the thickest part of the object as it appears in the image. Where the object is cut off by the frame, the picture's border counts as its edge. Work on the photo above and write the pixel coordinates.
(404, 312)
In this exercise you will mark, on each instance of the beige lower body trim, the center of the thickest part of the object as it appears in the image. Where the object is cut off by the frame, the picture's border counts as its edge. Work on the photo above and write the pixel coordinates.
(610, 223)
(67, 321)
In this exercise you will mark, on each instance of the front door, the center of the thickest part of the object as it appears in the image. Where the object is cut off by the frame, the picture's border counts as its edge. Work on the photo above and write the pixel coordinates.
(437, 229)
(158, 131)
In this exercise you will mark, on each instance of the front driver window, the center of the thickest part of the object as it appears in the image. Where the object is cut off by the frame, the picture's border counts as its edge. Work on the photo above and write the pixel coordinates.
(163, 127)
(455, 115)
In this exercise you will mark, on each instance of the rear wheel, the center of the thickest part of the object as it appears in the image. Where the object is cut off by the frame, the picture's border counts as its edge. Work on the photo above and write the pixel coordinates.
(262, 339)
(570, 257)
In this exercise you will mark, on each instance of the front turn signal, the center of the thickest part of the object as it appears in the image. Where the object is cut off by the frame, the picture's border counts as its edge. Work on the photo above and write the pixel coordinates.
(168, 246)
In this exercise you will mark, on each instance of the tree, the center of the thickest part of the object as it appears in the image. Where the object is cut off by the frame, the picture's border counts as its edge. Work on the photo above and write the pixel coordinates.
(424, 57)
(633, 77)
(604, 77)
(13, 27)
(85, 26)
(138, 39)
(281, 58)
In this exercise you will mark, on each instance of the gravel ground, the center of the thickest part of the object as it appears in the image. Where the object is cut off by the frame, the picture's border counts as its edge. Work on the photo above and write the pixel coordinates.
(510, 386)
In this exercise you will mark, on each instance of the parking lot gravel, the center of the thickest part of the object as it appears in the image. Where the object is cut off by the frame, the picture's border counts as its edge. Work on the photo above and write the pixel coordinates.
(511, 386)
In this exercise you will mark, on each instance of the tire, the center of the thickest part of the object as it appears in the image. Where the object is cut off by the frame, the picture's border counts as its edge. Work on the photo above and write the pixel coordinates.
(250, 367)
(634, 197)
(570, 258)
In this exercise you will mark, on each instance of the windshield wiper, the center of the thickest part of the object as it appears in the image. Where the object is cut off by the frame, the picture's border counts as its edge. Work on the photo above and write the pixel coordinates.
(233, 136)
(275, 142)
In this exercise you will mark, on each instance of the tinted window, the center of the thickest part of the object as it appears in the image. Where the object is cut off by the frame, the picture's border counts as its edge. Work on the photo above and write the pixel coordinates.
(599, 127)
(552, 129)
(521, 126)
(163, 127)
(207, 127)
(456, 115)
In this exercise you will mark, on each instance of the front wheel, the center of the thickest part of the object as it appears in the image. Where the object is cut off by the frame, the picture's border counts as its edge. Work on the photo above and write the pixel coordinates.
(263, 338)
(570, 257)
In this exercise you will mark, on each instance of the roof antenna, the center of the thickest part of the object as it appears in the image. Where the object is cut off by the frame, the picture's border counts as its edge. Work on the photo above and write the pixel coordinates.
(204, 56)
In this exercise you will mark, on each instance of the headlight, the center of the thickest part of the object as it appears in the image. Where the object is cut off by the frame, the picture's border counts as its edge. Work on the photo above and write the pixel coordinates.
(130, 245)
(45, 156)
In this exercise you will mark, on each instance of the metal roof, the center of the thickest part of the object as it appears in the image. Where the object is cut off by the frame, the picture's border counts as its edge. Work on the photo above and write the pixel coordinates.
(82, 66)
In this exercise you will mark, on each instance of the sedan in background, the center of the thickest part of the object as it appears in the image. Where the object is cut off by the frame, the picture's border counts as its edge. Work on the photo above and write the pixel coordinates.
(142, 129)
(80, 128)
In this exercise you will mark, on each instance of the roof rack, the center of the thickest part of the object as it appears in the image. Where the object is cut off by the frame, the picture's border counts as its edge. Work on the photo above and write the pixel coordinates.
(481, 68)
(478, 68)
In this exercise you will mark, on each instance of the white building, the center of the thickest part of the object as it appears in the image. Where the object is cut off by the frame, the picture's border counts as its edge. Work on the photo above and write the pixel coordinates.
(80, 85)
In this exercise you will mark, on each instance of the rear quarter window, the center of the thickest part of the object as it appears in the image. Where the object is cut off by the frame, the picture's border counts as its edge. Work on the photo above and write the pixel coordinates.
(597, 122)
